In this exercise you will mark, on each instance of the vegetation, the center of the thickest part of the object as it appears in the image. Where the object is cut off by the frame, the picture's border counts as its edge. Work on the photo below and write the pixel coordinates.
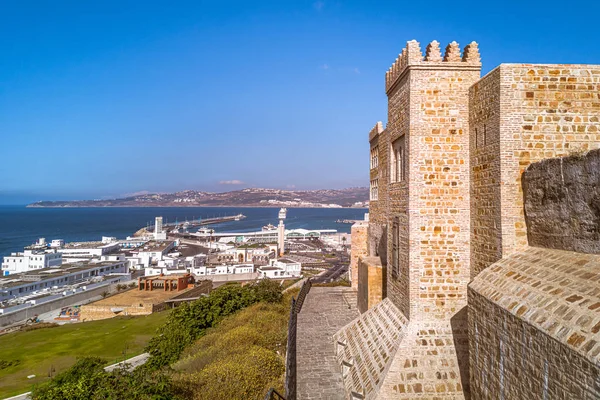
(189, 321)
(43, 352)
(87, 379)
(226, 354)
(241, 358)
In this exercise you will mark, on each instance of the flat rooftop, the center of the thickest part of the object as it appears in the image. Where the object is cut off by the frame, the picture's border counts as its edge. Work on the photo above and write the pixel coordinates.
(153, 246)
(136, 297)
(50, 273)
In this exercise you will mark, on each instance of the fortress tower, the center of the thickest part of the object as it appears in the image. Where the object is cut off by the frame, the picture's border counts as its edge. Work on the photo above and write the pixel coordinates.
(423, 178)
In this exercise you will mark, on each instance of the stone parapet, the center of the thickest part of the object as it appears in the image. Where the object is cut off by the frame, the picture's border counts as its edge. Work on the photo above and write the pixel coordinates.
(412, 57)
(366, 347)
(534, 326)
(371, 284)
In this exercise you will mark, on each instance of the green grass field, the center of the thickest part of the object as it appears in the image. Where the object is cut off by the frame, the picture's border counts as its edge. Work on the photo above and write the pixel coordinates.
(40, 351)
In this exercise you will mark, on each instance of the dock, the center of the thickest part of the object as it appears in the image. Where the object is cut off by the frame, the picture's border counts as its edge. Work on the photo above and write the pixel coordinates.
(204, 221)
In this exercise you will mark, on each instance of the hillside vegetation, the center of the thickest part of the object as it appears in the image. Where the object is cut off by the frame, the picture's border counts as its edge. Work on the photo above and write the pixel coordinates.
(207, 349)
(46, 351)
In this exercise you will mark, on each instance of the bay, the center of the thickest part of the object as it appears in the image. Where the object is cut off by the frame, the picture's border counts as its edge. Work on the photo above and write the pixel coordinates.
(21, 226)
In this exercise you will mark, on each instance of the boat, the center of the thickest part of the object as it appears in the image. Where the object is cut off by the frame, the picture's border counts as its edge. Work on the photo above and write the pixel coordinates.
(269, 227)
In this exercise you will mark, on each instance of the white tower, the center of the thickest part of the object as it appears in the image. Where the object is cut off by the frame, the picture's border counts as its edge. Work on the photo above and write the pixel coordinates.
(158, 229)
(281, 232)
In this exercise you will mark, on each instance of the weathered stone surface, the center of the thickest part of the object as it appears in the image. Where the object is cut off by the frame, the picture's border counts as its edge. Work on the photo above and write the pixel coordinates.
(324, 312)
(458, 208)
(534, 327)
(562, 203)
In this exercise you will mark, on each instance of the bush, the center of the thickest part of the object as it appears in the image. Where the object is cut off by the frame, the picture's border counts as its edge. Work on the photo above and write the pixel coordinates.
(247, 375)
(189, 321)
(88, 380)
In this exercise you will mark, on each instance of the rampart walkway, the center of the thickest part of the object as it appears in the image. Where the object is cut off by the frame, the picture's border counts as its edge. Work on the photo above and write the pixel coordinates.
(325, 311)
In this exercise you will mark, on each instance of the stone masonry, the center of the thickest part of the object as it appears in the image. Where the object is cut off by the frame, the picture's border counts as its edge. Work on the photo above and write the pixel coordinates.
(521, 114)
(449, 206)
(359, 234)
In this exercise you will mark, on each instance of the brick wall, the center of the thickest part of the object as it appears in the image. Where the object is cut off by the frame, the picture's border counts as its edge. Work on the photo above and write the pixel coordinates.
(484, 128)
(378, 208)
(371, 283)
(358, 248)
(534, 327)
(428, 105)
(544, 111)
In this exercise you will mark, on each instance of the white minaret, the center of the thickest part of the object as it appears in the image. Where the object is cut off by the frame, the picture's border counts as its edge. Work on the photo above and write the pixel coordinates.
(281, 232)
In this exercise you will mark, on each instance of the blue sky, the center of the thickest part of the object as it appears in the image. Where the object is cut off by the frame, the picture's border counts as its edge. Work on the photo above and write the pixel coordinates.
(106, 98)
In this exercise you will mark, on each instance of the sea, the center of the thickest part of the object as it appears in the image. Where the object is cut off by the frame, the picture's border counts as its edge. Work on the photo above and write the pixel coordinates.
(21, 226)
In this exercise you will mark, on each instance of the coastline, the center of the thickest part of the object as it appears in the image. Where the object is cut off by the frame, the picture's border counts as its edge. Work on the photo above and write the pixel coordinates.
(193, 205)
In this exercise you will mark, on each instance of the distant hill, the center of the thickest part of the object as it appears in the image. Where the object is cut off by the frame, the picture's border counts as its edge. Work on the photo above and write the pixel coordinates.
(255, 197)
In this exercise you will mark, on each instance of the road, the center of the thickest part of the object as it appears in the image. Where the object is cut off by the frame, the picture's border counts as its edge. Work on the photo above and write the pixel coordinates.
(331, 274)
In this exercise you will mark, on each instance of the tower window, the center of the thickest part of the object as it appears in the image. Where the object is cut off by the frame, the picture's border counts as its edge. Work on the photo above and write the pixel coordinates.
(398, 160)
(374, 157)
(374, 189)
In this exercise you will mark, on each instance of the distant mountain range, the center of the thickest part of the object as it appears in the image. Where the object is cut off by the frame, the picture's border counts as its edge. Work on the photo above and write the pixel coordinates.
(255, 197)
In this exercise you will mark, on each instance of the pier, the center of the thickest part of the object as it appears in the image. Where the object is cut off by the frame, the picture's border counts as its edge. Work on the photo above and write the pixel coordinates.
(202, 222)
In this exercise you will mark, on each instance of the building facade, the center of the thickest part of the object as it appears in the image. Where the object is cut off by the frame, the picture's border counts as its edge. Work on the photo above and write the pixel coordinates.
(30, 260)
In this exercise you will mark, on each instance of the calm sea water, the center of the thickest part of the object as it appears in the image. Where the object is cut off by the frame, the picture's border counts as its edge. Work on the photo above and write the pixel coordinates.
(20, 226)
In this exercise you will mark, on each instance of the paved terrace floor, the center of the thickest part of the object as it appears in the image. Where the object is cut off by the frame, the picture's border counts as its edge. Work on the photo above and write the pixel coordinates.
(325, 311)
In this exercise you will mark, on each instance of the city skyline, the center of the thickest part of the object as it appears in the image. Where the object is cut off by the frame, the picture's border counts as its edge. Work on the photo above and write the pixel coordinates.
(105, 100)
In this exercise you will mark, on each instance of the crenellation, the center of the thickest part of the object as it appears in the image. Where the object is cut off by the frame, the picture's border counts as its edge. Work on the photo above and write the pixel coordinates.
(471, 53)
(413, 53)
(452, 53)
(433, 52)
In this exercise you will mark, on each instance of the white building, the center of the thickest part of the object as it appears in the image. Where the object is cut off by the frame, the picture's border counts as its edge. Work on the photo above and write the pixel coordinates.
(86, 250)
(30, 260)
(282, 268)
(223, 269)
(48, 281)
(57, 243)
(159, 233)
(151, 253)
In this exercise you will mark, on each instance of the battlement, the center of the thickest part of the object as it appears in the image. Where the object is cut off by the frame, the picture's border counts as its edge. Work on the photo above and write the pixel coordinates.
(412, 56)
(376, 130)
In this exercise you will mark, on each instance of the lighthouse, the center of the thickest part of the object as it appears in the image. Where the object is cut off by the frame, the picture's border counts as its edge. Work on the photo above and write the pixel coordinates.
(281, 232)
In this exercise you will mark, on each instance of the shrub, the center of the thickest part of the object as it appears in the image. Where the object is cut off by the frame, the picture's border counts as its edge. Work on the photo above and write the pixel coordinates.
(189, 321)
(247, 375)
(88, 380)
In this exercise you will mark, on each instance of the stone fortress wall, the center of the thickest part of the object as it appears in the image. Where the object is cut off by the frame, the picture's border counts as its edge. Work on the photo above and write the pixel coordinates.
(454, 206)
(521, 114)
(534, 316)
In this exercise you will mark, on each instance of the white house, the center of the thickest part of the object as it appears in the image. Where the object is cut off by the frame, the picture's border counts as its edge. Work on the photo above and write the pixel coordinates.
(282, 268)
(30, 260)
(223, 269)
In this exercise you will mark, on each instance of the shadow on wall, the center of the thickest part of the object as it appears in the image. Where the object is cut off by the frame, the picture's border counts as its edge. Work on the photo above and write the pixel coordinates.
(379, 248)
(460, 335)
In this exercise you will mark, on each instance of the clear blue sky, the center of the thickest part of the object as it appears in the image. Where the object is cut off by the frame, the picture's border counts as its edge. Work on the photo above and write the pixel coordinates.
(105, 98)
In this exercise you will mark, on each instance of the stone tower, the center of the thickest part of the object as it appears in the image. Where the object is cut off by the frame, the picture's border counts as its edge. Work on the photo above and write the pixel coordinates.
(426, 178)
